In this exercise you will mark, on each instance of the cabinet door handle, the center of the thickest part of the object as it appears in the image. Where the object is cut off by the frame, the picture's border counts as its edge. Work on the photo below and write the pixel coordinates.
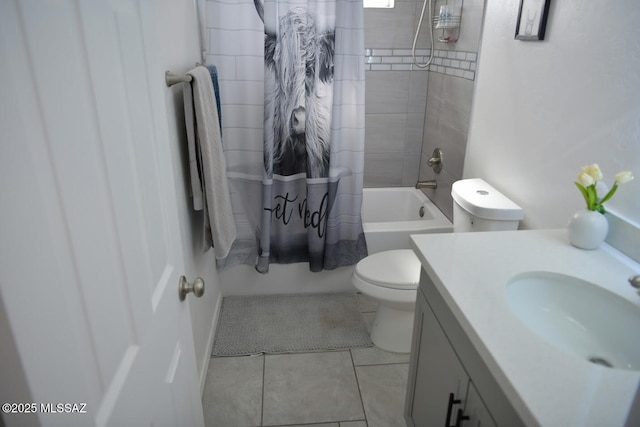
(452, 401)
(460, 418)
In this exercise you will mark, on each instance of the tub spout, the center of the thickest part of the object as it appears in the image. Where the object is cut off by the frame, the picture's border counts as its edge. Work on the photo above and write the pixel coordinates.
(431, 183)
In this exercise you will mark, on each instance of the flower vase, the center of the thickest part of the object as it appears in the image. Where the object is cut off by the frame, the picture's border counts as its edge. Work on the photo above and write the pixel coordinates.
(588, 229)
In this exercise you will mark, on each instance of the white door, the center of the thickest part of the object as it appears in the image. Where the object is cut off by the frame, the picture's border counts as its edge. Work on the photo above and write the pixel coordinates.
(90, 250)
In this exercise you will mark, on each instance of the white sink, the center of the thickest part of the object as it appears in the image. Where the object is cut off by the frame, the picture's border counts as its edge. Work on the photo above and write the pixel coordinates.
(579, 317)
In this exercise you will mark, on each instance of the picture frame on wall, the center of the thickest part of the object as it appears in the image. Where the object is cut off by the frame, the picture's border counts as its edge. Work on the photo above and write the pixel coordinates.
(532, 20)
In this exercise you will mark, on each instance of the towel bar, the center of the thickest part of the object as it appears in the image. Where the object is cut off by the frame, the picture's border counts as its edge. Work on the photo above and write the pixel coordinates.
(173, 78)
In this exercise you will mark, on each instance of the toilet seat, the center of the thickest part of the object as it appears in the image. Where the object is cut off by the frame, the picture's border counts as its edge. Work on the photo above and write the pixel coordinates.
(396, 269)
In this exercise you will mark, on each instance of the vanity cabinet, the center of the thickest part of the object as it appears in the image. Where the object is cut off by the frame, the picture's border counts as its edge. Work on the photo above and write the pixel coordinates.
(442, 390)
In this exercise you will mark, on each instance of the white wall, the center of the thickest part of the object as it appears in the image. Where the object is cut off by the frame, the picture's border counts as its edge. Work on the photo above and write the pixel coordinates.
(543, 109)
(182, 51)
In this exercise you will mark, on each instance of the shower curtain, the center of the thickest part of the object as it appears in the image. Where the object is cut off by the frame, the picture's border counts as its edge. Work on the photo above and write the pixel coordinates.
(307, 207)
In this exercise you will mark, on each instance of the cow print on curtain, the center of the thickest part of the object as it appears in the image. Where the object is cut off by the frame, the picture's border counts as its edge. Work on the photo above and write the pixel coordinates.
(313, 143)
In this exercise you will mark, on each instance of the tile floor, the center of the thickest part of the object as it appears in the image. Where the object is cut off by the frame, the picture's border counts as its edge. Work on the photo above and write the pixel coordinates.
(361, 387)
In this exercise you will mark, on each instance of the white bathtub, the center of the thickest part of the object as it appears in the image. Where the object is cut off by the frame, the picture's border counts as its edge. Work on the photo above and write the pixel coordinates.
(389, 215)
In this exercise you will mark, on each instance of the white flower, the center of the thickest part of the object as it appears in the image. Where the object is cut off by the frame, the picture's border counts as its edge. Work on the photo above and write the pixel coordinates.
(590, 185)
(593, 171)
(623, 177)
(585, 179)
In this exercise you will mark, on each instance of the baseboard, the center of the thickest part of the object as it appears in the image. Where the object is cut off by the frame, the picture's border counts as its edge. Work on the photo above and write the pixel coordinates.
(209, 347)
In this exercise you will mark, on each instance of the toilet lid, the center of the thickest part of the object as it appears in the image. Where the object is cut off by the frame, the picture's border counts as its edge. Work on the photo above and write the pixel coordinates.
(398, 269)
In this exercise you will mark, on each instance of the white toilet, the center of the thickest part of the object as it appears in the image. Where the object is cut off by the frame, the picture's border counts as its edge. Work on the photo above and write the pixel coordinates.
(392, 277)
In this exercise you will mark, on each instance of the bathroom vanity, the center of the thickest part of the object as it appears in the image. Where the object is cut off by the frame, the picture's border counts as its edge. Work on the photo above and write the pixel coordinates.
(478, 360)
(447, 373)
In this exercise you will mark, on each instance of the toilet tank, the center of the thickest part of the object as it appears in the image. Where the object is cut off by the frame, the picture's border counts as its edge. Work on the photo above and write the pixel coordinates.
(477, 206)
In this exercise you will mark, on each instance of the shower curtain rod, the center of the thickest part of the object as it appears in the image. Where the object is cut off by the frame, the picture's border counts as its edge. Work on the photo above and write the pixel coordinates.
(171, 78)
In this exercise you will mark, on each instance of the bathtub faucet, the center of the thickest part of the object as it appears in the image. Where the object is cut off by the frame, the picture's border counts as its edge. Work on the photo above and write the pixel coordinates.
(431, 183)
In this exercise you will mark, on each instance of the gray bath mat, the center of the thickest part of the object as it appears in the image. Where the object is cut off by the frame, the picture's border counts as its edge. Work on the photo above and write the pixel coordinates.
(289, 324)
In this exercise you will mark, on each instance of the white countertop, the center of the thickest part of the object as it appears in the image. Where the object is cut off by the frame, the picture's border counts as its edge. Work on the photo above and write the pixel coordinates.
(471, 270)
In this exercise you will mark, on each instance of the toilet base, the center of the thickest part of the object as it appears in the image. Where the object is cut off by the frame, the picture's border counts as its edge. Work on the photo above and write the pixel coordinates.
(392, 328)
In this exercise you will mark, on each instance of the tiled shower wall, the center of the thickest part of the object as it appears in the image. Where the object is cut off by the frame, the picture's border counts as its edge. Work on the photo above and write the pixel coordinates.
(410, 111)
(448, 109)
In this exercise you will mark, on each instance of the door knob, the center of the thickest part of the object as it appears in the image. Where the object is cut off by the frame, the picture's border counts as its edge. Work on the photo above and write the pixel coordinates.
(184, 287)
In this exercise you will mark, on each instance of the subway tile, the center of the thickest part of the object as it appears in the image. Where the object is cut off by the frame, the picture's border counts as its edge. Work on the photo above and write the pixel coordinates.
(401, 67)
(382, 52)
(391, 59)
(402, 60)
(403, 52)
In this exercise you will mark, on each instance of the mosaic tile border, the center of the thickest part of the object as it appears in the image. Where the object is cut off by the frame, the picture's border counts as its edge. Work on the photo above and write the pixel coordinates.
(450, 62)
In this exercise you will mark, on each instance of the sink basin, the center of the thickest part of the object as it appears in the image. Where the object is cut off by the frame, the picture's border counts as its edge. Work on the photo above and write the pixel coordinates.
(579, 317)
